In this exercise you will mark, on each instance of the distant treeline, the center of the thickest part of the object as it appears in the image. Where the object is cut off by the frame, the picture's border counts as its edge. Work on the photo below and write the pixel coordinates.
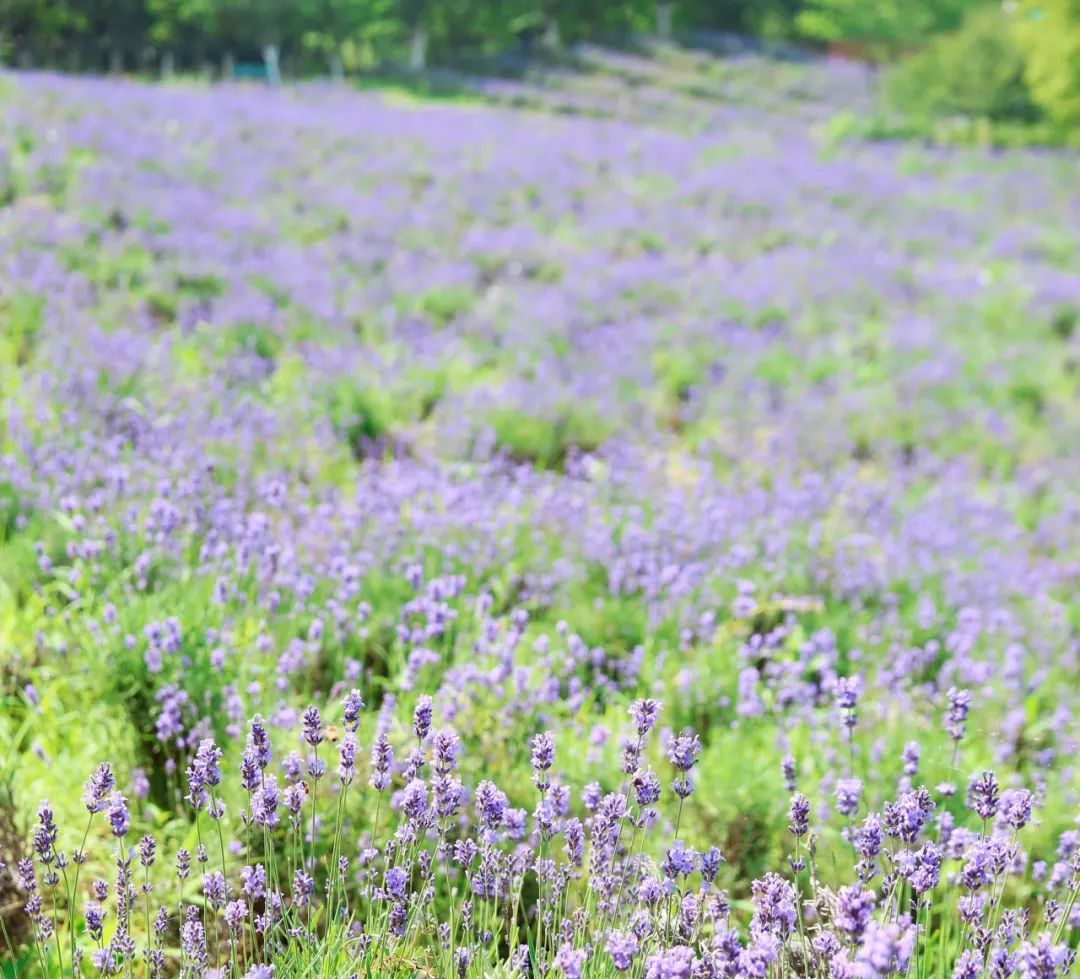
(340, 35)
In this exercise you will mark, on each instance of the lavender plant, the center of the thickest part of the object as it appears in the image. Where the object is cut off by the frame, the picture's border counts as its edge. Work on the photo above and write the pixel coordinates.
(637, 542)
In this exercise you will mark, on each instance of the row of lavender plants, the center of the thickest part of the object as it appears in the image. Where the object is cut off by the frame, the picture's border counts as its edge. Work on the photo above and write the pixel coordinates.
(511, 421)
(453, 880)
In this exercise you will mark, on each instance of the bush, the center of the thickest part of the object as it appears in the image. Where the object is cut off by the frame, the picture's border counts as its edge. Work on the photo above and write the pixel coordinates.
(881, 30)
(976, 71)
(1048, 35)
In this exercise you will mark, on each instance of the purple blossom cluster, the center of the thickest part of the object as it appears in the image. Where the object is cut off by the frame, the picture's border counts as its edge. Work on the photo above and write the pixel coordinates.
(608, 545)
(456, 874)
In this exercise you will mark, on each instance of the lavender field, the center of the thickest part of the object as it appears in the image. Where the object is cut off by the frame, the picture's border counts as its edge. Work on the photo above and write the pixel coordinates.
(595, 525)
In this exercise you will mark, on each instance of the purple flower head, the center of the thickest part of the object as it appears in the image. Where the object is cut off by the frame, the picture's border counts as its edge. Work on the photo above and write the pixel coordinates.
(869, 837)
(983, 795)
(215, 889)
(651, 891)
(968, 966)
(646, 786)
(422, 717)
(491, 805)
(774, 906)
(645, 713)
(680, 861)
(203, 772)
(293, 766)
(673, 963)
(183, 864)
(414, 800)
(259, 742)
(95, 917)
(591, 794)
(347, 758)
(382, 760)
(886, 949)
(846, 693)
(44, 839)
(98, 787)
(1016, 807)
(570, 961)
(848, 793)
(294, 797)
(313, 733)
(193, 938)
(906, 817)
(799, 815)
(854, 908)
(574, 835)
(956, 715)
(446, 746)
(1042, 959)
(235, 913)
(264, 803)
(303, 888)
(543, 752)
(399, 917)
(684, 750)
(790, 773)
(448, 793)
(711, 860)
(396, 882)
(465, 852)
(147, 851)
(250, 773)
(351, 707)
(622, 947)
(911, 758)
(922, 868)
(117, 811)
(253, 881)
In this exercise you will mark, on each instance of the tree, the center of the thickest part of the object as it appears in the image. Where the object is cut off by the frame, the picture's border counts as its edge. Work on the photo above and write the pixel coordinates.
(883, 28)
(1048, 32)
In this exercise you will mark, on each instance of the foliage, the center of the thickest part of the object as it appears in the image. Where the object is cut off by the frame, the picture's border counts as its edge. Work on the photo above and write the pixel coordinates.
(1048, 34)
(884, 28)
(977, 71)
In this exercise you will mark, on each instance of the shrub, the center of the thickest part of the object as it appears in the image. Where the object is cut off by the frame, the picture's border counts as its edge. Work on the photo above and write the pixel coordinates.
(1048, 34)
(976, 71)
(880, 29)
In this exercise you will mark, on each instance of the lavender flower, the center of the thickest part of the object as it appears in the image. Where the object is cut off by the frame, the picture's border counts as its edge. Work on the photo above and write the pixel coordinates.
(956, 716)
(382, 759)
(799, 815)
(645, 713)
(848, 792)
(117, 812)
(98, 787)
(313, 733)
(422, 717)
(983, 795)
(622, 947)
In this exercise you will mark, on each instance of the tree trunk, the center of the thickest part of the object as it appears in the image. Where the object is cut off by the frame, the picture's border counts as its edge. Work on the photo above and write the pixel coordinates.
(273, 64)
(664, 10)
(337, 69)
(418, 48)
(228, 66)
(116, 61)
(25, 59)
(168, 65)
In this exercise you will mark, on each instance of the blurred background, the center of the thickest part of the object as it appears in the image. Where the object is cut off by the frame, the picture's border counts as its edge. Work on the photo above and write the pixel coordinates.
(1015, 64)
